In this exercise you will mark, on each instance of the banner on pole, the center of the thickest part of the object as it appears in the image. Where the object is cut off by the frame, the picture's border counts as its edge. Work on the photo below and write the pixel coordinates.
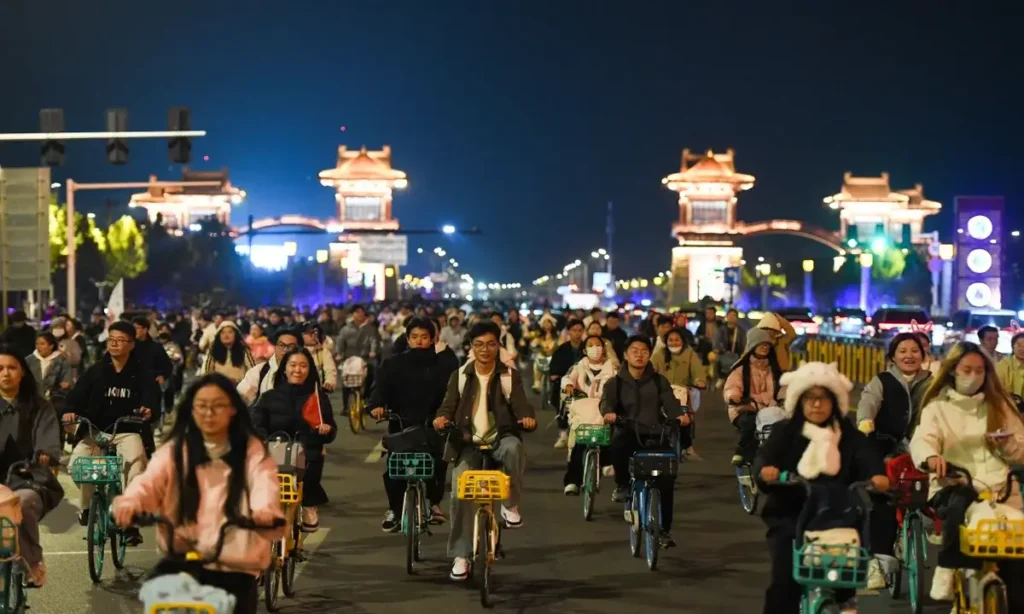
(384, 249)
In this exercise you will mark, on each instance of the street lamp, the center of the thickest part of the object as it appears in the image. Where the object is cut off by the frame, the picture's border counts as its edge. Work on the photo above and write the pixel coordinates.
(448, 229)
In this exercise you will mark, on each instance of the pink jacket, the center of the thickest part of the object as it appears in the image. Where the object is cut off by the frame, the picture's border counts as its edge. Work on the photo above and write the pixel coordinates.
(246, 551)
(762, 387)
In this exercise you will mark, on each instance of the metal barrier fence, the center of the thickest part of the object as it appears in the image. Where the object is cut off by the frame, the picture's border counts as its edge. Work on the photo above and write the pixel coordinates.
(858, 359)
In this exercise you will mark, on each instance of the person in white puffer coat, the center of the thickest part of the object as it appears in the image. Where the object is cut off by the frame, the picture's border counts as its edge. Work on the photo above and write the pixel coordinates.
(968, 419)
(588, 377)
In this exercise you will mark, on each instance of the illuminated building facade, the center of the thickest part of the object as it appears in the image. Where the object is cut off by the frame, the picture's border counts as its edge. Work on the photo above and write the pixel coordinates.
(364, 182)
(182, 206)
(868, 208)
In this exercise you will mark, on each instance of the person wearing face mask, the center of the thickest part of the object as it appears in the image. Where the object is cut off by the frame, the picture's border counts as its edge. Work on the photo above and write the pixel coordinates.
(562, 361)
(588, 377)
(752, 385)
(680, 365)
(888, 405)
(594, 329)
(412, 385)
(968, 419)
(818, 443)
(1011, 369)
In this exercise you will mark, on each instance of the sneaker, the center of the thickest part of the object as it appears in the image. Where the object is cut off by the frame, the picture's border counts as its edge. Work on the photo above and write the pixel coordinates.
(666, 541)
(942, 584)
(620, 495)
(563, 440)
(571, 489)
(460, 569)
(513, 519)
(876, 577)
(737, 460)
(436, 515)
(132, 537)
(390, 523)
(37, 575)
(310, 519)
(692, 455)
(608, 471)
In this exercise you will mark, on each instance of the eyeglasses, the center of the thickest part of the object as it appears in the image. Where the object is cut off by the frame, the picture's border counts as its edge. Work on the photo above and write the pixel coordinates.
(213, 410)
(814, 399)
(118, 340)
(639, 351)
(287, 347)
(490, 345)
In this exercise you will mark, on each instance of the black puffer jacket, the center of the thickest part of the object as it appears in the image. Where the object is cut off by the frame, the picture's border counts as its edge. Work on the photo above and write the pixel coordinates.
(280, 410)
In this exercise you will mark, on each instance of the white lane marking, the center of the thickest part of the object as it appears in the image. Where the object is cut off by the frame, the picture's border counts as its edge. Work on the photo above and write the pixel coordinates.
(375, 454)
(310, 544)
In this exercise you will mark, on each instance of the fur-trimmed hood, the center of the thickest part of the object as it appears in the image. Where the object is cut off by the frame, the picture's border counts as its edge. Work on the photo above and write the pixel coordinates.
(813, 374)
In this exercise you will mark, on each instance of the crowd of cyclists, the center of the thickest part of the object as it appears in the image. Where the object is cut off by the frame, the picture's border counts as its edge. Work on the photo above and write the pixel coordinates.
(451, 381)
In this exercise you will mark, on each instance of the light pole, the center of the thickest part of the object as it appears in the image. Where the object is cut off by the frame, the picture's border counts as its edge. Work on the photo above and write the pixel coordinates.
(867, 259)
(808, 272)
(947, 251)
(764, 270)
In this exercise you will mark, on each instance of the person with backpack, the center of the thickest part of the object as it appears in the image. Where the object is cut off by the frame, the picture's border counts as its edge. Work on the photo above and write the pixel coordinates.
(260, 378)
(645, 399)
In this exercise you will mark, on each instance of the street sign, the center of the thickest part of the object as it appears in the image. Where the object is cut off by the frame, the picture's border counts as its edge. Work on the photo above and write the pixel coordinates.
(24, 229)
(384, 249)
(732, 276)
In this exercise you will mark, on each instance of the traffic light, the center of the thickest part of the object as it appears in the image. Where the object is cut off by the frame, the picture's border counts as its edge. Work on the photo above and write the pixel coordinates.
(179, 149)
(117, 149)
(51, 152)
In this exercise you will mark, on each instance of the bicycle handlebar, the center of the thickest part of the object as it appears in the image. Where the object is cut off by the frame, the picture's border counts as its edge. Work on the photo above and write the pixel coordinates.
(146, 519)
(79, 419)
(862, 490)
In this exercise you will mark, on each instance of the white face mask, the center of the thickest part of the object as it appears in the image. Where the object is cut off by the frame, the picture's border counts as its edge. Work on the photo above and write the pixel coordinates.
(675, 350)
(969, 384)
(594, 352)
(58, 332)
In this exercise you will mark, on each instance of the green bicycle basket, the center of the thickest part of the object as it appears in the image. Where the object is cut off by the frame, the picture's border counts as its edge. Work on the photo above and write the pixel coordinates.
(593, 434)
(831, 565)
(410, 466)
(8, 538)
(97, 470)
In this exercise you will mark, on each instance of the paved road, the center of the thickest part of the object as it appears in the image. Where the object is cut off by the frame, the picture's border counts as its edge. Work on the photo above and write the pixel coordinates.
(556, 562)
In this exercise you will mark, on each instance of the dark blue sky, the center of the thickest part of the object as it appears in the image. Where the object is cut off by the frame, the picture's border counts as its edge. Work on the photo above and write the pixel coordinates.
(525, 118)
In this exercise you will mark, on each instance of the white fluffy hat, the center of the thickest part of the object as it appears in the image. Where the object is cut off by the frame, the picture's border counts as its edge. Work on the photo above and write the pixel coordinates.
(813, 374)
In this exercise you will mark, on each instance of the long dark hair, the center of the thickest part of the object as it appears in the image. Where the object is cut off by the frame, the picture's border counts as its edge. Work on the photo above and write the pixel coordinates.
(237, 352)
(682, 337)
(186, 433)
(773, 366)
(30, 402)
(281, 377)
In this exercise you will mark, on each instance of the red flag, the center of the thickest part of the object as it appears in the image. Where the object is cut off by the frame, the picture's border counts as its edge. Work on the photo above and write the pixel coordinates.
(311, 411)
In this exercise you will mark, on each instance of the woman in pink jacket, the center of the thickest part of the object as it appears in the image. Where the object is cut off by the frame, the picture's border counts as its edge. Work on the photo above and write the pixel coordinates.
(214, 467)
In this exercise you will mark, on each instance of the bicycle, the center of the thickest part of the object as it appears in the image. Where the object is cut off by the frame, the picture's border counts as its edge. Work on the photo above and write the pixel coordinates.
(749, 492)
(991, 540)
(543, 364)
(594, 437)
(821, 569)
(416, 469)
(194, 557)
(105, 473)
(643, 508)
(13, 596)
(353, 383)
(287, 551)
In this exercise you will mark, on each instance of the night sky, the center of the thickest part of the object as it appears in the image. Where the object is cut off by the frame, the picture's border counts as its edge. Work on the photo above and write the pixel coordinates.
(524, 118)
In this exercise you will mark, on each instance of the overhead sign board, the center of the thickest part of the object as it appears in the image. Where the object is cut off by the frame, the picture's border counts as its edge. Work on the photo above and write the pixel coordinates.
(24, 229)
(384, 249)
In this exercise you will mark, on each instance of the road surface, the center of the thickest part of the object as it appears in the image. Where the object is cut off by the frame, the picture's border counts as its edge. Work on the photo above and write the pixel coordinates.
(555, 563)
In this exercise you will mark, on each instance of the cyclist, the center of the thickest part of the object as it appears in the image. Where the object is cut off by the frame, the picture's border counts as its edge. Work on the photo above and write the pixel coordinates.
(297, 405)
(967, 418)
(589, 377)
(646, 398)
(412, 385)
(29, 431)
(313, 339)
(562, 361)
(752, 385)
(819, 444)
(117, 386)
(260, 378)
(213, 468)
(495, 417)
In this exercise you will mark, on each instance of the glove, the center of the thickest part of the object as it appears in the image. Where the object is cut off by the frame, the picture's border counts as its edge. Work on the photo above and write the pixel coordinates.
(866, 426)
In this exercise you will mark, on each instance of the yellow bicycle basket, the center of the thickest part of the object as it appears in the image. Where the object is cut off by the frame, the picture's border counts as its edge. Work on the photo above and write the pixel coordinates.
(182, 608)
(291, 489)
(993, 538)
(484, 486)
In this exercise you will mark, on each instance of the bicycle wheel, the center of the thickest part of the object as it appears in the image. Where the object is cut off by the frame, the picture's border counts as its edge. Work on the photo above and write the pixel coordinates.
(410, 526)
(894, 580)
(748, 496)
(118, 547)
(291, 564)
(272, 579)
(653, 529)
(590, 472)
(914, 556)
(355, 418)
(993, 598)
(483, 551)
(18, 597)
(633, 505)
(96, 536)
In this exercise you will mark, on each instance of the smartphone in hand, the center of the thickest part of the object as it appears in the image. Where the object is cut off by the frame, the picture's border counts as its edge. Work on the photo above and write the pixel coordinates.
(999, 434)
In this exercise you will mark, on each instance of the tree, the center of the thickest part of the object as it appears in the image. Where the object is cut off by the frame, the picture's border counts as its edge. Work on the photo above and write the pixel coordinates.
(125, 252)
(84, 228)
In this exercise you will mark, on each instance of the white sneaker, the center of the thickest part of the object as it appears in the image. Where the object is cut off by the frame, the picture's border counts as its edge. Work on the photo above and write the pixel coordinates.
(513, 519)
(563, 440)
(608, 471)
(876, 577)
(460, 569)
(571, 489)
(942, 584)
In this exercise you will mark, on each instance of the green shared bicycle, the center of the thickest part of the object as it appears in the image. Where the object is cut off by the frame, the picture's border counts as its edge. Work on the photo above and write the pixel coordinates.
(594, 437)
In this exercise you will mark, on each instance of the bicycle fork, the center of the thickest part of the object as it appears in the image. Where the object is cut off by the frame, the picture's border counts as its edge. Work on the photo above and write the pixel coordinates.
(484, 515)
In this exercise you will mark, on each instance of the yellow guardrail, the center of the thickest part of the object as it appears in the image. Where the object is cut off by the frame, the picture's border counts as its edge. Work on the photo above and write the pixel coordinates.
(858, 361)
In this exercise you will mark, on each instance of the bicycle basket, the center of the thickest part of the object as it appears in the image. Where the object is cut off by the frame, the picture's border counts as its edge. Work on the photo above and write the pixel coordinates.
(97, 470)
(353, 380)
(410, 466)
(653, 464)
(483, 486)
(290, 488)
(831, 565)
(764, 433)
(993, 538)
(181, 608)
(909, 484)
(593, 434)
(8, 538)
(543, 364)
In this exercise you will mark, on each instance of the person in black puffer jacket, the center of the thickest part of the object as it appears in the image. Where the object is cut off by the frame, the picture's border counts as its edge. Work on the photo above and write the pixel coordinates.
(293, 406)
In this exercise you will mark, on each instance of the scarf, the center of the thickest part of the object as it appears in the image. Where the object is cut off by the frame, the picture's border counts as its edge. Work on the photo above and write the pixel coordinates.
(822, 454)
(44, 363)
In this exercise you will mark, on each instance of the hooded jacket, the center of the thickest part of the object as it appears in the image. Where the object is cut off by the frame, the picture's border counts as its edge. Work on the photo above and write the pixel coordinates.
(775, 322)
(762, 389)
(103, 394)
(648, 400)
(235, 373)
